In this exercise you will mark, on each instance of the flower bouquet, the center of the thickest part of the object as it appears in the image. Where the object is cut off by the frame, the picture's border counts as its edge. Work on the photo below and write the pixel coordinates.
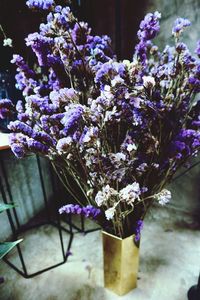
(115, 131)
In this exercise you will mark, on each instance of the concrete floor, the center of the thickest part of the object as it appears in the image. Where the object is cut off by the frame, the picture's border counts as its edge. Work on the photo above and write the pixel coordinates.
(169, 263)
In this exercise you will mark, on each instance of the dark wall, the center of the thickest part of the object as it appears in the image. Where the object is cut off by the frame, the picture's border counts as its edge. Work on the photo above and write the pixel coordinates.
(117, 18)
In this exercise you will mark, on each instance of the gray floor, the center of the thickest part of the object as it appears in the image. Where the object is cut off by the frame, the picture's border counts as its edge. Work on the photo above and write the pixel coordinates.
(169, 264)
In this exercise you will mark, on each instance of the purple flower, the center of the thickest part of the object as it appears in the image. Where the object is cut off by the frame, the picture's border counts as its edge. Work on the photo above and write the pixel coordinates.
(179, 25)
(71, 119)
(121, 124)
(141, 51)
(177, 149)
(40, 4)
(195, 83)
(80, 33)
(19, 106)
(45, 138)
(64, 144)
(108, 71)
(88, 211)
(18, 150)
(197, 51)
(18, 144)
(41, 105)
(22, 66)
(41, 45)
(149, 27)
(6, 108)
(138, 229)
(38, 147)
(180, 47)
(189, 61)
(21, 127)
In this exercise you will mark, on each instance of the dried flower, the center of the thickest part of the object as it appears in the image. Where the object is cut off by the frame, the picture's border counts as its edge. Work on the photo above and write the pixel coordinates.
(148, 82)
(110, 212)
(88, 211)
(120, 129)
(7, 42)
(179, 25)
(163, 197)
(138, 229)
(130, 193)
(40, 4)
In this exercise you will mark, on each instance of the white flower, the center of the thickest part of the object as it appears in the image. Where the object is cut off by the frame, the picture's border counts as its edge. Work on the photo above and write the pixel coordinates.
(7, 42)
(91, 133)
(63, 144)
(136, 101)
(99, 199)
(163, 197)
(109, 114)
(119, 156)
(107, 88)
(107, 92)
(131, 147)
(157, 14)
(104, 195)
(148, 81)
(117, 79)
(126, 62)
(130, 193)
(110, 213)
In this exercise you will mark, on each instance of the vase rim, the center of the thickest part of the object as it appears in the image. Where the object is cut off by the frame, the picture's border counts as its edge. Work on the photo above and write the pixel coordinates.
(116, 237)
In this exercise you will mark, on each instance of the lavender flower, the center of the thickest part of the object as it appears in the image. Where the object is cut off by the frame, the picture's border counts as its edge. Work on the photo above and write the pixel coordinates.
(88, 211)
(45, 138)
(18, 126)
(108, 71)
(149, 27)
(18, 144)
(38, 147)
(179, 25)
(138, 229)
(40, 4)
(41, 46)
(6, 108)
(22, 66)
(71, 119)
(64, 144)
(197, 51)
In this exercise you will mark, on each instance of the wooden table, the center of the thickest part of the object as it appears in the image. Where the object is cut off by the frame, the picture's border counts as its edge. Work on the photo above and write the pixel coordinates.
(4, 144)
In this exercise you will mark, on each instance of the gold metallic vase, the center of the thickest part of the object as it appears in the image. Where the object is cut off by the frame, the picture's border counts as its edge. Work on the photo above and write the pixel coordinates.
(121, 260)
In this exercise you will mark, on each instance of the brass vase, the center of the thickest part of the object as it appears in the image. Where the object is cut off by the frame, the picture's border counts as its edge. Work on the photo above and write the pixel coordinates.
(121, 260)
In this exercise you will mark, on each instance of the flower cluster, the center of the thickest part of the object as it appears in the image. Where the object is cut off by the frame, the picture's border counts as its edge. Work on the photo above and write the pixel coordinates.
(6, 108)
(40, 4)
(116, 132)
(88, 211)
(138, 230)
(163, 197)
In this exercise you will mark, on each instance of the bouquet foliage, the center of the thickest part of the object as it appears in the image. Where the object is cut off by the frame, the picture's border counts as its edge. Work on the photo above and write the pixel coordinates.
(115, 131)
